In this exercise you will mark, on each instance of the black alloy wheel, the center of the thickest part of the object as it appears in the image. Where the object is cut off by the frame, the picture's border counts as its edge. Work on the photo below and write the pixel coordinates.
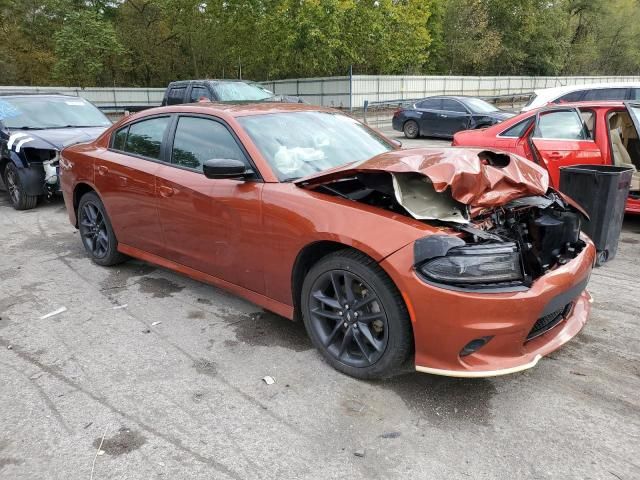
(93, 230)
(348, 318)
(96, 232)
(355, 316)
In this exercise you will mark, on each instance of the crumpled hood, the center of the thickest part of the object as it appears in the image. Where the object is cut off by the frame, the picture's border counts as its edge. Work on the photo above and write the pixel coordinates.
(476, 177)
(55, 138)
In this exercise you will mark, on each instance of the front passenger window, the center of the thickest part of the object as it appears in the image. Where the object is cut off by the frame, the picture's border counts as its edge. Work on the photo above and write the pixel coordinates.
(199, 139)
(145, 137)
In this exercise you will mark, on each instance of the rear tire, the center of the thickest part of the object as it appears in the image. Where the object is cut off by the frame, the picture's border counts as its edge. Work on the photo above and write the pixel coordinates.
(411, 129)
(18, 198)
(356, 317)
(96, 232)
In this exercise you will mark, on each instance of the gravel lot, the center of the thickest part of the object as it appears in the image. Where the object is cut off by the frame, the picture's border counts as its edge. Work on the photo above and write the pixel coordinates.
(184, 399)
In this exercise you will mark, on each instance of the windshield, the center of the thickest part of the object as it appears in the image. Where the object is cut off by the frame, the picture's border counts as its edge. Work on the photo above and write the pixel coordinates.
(239, 91)
(533, 97)
(480, 106)
(39, 112)
(297, 144)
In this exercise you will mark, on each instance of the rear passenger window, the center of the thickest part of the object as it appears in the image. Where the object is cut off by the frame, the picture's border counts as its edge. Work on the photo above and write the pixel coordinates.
(119, 138)
(453, 106)
(145, 137)
(606, 94)
(518, 129)
(199, 139)
(176, 95)
(635, 94)
(432, 104)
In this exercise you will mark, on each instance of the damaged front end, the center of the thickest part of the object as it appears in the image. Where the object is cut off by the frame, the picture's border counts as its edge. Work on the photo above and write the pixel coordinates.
(502, 227)
(49, 159)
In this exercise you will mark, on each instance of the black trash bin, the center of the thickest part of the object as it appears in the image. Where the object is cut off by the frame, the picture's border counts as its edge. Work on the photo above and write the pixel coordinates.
(602, 190)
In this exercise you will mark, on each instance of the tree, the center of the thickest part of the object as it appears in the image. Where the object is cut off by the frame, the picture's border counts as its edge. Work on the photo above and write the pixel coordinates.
(86, 46)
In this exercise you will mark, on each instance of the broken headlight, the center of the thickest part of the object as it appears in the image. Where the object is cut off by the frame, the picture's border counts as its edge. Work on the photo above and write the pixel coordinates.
(476, 264)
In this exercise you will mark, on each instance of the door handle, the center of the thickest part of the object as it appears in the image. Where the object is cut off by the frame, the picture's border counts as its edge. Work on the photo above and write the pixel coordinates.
(442, 115)
(166, 192)
(102, 170)
(555, 155)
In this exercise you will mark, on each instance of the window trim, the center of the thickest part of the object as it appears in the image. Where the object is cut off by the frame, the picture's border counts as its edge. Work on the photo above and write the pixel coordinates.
(128, 127)
(168, 147)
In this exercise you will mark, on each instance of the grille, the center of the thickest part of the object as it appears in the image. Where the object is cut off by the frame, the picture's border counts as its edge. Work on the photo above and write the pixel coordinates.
(546, 323)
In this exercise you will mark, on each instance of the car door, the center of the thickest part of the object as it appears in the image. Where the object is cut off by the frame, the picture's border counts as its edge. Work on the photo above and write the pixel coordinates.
(559, 139)
(428, 110)
(210, 225)
(125, 177)
(452, 117)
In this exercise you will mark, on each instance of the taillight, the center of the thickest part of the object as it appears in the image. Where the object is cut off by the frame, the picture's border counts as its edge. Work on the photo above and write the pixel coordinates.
(397, 112)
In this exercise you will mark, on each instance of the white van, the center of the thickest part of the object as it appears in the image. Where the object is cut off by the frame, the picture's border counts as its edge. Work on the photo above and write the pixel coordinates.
(583, 93)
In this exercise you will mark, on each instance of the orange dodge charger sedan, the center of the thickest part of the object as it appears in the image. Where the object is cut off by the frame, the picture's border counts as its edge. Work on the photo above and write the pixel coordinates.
(459, 262)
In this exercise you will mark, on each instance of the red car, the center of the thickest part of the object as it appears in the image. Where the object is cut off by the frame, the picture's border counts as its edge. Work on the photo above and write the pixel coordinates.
(601, 133)
(458, 262)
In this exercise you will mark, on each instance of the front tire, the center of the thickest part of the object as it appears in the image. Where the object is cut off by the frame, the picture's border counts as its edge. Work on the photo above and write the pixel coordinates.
(411, 129)
(96, 232)
(17, 196)
(356, 317)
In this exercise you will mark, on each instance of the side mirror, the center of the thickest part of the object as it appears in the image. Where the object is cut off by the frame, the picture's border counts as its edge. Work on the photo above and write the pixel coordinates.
(396, 142)
(224, 168)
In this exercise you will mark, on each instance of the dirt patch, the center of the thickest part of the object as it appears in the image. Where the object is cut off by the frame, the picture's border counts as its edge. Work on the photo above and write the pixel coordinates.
(206, 367)
(125, 441)
(196, 314)
(118, 276)
(4, 461)
(443, 399)
(204, 301)
(265, 329)
(631, 241)
(159, 287)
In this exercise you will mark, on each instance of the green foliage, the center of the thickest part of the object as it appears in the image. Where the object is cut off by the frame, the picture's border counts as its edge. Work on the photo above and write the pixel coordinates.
(151, 42)
(86, 47)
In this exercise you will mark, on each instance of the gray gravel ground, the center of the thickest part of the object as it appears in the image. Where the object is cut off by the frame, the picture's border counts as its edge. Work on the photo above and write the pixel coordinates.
(184, 399)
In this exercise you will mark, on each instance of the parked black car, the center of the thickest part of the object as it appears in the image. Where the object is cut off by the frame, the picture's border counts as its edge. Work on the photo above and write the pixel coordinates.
(446, 115)
(190, 91)
(33, 130)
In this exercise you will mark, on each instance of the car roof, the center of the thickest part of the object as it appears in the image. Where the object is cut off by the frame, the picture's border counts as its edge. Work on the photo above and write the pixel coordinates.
(212, 80)
(33, 94)
(235, 109)
(590, 103)
(552, 91)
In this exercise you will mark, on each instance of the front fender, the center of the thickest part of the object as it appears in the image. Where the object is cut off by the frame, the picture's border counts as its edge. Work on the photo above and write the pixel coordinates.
(31, 177)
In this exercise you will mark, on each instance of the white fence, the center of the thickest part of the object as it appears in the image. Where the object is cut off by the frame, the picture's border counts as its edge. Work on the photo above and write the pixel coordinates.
(346, 92)
(352, 92)
(105, 98)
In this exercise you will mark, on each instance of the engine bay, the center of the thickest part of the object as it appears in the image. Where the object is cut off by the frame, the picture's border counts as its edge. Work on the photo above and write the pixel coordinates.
(544, 228)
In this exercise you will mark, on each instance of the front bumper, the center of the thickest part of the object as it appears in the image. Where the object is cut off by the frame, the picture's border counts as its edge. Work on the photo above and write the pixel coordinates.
(444, 321)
